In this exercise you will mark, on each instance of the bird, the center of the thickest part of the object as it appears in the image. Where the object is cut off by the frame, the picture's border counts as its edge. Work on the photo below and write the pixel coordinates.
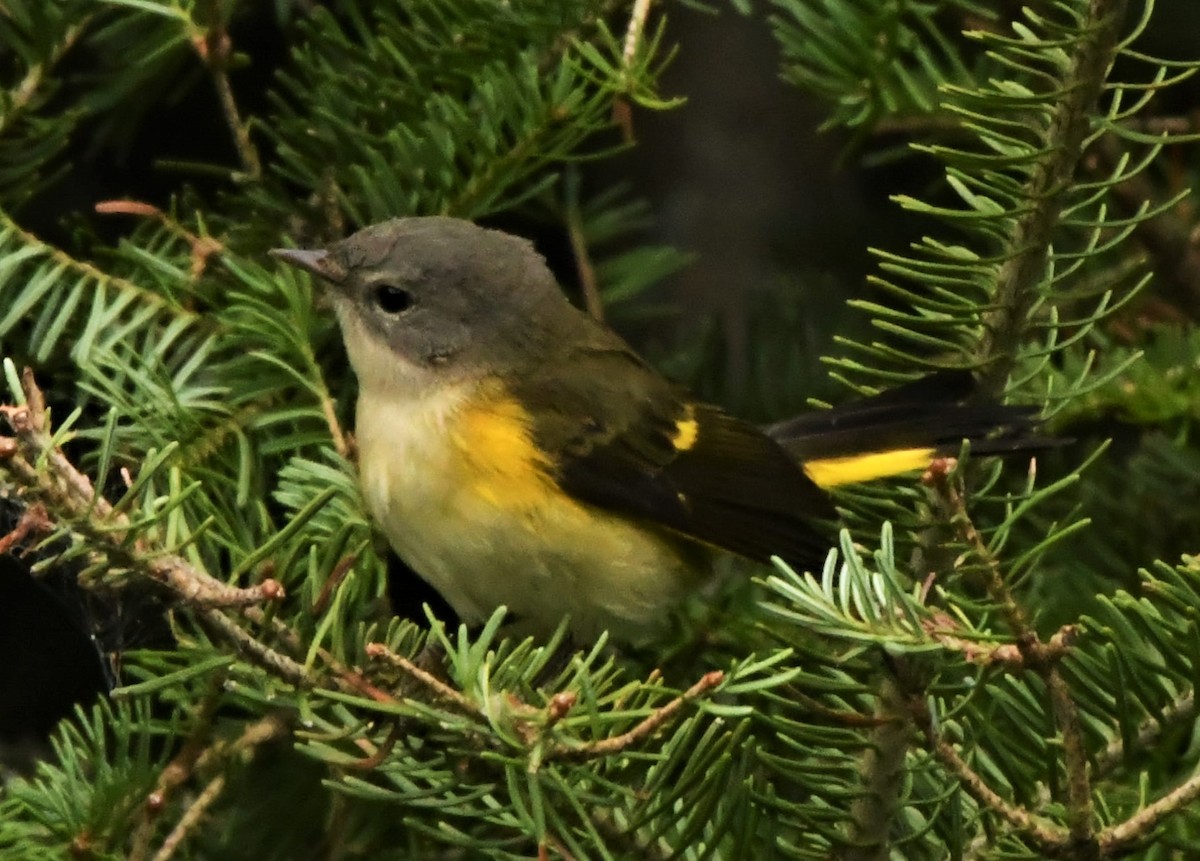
(516, 452)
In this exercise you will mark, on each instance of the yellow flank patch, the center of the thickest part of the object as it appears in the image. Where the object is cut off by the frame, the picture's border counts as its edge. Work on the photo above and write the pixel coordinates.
(687, 431)
(498, 457)
(854, 468)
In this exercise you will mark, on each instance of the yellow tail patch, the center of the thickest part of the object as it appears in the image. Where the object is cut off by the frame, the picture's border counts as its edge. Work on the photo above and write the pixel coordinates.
(855, 468)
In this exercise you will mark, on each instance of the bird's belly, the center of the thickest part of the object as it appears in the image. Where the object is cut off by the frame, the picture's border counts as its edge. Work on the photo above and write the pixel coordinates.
(487, 530)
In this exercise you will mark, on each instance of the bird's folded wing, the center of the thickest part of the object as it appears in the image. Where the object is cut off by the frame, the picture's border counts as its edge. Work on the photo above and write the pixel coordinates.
(625, 440)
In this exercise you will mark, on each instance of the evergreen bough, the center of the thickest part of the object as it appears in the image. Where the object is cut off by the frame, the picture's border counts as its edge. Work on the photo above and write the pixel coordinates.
(982, 669)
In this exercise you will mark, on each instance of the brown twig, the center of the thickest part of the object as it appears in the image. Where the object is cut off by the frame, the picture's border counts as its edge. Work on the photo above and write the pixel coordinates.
(214, 48)
(336, 576)
(583, 261)
(33, 520)
(60, 486)
(269, 659)
(1049, 838)
(258, 733)
(202, 247)
(1036, 656)
(1117, 839)
(382, 752)
(1005, 656)
(175, 774)
(191, 818)
(1182, 709)
(427, 679)
(648, 726)
(68, 496)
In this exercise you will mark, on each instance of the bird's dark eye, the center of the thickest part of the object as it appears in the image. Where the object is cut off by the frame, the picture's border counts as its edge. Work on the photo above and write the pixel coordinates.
(392, 299)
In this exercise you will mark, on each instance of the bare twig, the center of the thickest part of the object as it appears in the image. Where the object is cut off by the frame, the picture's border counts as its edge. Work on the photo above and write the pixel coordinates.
(260, 732)
(60, 486)
(1005, 656)
(175, 774)
(68, 495)
(191, 818)
(214, 47)
(269, 659)
(202, 247)
(336, 576)
(1182, 709)
(617, 743)
(1119, 838)
(1045, 835)
(22, 95)
(33, 520)
(376, 758)
(1036, 656)
(427, 679)
(583, 261)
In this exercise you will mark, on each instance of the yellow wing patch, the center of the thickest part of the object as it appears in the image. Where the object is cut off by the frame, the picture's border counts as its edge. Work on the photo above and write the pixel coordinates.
(867, 467)
(687, 430)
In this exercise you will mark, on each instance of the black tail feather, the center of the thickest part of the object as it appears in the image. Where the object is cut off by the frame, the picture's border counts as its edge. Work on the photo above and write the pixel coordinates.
(936, 411)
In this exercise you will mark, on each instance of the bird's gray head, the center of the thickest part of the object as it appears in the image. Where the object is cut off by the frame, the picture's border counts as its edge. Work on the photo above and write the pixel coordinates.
(423, 299)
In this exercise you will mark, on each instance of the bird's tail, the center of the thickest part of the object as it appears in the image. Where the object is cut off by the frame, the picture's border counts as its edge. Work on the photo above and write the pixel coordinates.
(904, 429)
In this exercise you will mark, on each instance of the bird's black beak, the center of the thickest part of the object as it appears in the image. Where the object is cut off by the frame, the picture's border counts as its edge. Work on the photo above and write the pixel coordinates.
(317, 261)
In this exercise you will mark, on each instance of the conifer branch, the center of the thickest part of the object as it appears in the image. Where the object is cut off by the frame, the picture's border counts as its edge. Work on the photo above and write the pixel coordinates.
(1017, 282)
(1118, 839)
(260, 732)
(177, 772)
(1047, 837)
(1168, 238)
(481, 184)
(583, 261)
(1036, 655)
(647, 727)
(874, 811)
(440, 689)
(88, 270)
(1180, 710)
(215, 48)
(67, 497)
(557, 709)
(28, 87)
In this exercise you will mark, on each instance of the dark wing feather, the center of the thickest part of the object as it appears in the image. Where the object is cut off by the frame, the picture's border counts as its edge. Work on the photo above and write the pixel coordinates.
(935, 411)
(610, 421)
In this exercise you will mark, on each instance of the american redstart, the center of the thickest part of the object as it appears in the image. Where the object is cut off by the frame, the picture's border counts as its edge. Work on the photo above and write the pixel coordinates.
(517, 452)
